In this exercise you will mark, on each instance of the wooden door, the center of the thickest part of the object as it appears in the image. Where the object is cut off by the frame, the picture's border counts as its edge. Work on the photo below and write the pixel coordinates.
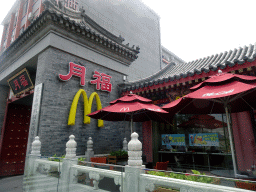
(14, 140)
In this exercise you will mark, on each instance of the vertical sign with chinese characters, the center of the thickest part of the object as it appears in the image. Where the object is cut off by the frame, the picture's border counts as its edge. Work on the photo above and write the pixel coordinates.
(20, 82)
(33, 128)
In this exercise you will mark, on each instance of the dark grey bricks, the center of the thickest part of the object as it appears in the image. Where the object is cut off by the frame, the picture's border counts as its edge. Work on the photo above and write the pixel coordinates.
(56, 102)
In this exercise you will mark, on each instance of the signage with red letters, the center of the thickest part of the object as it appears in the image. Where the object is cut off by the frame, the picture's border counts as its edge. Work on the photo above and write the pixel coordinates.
(75, 70)
(20, 82)
(101, 80)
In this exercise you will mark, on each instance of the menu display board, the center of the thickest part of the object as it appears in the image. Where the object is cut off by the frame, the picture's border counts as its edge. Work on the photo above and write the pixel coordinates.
(204, 139)
(173, 139)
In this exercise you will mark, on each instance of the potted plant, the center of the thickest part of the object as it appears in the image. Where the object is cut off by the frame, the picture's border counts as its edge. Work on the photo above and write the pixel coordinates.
(120, 155)
(81, 161)
(163, 189)
(245, 184)
(190, 177)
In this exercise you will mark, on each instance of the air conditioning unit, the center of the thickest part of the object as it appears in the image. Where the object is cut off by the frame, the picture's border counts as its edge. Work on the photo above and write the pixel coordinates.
(30, 16)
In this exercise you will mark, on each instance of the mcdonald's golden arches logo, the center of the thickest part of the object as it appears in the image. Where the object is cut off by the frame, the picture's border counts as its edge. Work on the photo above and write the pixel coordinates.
(87, 107)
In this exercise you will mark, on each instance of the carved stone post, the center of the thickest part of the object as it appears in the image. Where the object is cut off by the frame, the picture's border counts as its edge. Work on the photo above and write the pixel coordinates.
(134, 167)
(69, 160)
(30, 161)
(71, 148)
(134, 151)
(36, 147)
(125, 145)
(89, 153)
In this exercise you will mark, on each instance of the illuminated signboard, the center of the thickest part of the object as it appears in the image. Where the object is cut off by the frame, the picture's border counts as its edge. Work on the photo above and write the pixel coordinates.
(204, 139)
(20, 82)
(173, 139)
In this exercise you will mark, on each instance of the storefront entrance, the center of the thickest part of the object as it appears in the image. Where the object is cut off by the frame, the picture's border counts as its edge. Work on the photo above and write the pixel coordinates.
(14, 139)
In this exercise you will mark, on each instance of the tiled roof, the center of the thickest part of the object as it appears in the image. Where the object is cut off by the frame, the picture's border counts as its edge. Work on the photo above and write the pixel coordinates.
(75, 21)
(211, 63)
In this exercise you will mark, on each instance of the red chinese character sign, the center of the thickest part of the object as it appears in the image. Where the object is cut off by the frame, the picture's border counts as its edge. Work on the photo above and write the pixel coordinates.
(102, 81)
(75, 70)
(20, 82)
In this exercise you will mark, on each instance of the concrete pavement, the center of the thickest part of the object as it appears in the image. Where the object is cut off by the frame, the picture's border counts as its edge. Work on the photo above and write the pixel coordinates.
(11, 184)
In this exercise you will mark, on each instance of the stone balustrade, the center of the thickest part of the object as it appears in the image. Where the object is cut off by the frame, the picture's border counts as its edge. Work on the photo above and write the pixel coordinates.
(149, 183)
(97, 174)
(133, 179)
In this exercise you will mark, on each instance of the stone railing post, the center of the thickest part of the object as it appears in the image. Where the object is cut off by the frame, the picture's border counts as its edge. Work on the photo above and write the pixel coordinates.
(36, 147)
(89, 153)
(35, 153)
(134, 167)
(125, 145)
(69, 160)
(30, 169)
(71, 148)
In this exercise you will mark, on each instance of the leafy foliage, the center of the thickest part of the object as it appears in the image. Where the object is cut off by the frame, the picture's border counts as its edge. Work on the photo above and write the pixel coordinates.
(57, 159)
(60, 159)
(189, 177)
(119, 153)
(81, 159)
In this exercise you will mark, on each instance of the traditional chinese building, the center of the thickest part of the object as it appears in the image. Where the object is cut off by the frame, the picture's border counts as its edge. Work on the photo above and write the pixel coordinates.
(134, 21)
(174, 81)
(57, 56)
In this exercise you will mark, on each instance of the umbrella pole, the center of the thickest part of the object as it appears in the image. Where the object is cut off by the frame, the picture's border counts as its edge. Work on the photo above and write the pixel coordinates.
(131, 122)
(231, 141)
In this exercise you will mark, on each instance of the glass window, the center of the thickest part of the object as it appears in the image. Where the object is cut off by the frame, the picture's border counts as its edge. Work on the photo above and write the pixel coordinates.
(13, 35)
(25, 7)
(4, 45)
(36, 13)
(22, 30)
(15, 20)
(6, 31)
(203, 133)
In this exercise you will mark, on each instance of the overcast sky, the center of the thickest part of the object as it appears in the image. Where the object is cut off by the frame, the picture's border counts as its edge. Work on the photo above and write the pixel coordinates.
(193, 29)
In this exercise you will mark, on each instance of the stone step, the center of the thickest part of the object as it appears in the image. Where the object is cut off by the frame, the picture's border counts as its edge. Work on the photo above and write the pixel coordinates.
(40, 183)
(43, 183)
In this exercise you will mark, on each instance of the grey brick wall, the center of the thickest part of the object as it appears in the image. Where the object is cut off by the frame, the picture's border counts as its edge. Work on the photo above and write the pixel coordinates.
(4, 90)
(135, 22)
(56, 101)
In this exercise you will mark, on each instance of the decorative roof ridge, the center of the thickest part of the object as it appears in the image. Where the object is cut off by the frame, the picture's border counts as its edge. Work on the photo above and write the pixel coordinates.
(119, 49)
(80, 17)
(158, 73)
(214, 62)
(167, 50)
(102, 30)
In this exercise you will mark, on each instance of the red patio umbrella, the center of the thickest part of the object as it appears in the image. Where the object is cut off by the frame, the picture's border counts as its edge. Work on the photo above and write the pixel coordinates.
(218, 94)
(131, 107)
(203, 121)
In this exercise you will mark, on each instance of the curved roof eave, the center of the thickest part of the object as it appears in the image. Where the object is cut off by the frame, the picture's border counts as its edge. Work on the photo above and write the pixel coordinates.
(211, 63)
